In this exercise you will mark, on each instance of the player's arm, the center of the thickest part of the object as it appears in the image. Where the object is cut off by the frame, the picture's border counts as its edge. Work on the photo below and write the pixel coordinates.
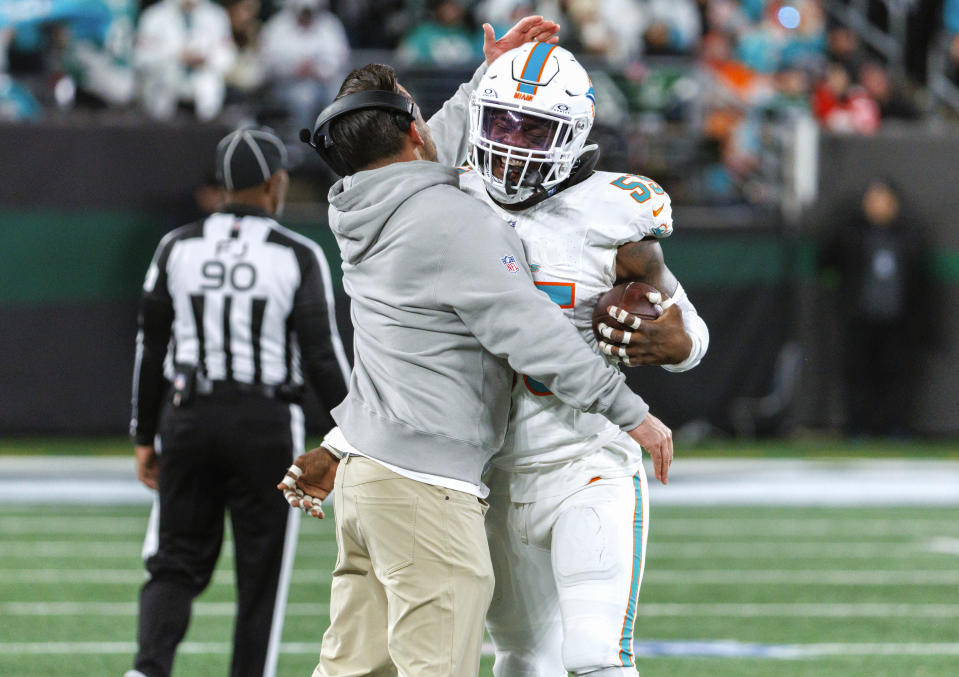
(678, 339)
(314, 321)
(154, 326)
(450, 126)
(515, 321)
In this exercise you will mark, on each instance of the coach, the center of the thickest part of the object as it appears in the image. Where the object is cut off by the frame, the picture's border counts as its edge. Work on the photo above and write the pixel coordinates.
(444, 310)
(235, 310)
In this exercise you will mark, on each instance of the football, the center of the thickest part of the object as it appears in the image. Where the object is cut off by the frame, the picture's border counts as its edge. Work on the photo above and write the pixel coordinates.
(631, 297)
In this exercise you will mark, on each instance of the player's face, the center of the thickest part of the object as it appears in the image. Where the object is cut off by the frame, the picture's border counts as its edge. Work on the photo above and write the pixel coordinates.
(519, 130)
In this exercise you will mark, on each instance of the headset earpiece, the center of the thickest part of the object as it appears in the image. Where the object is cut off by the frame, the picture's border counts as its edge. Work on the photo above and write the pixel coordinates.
(403, 121)
(403, 112)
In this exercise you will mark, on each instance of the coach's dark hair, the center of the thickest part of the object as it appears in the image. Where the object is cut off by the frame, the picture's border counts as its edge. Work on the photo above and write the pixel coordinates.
(365, 136)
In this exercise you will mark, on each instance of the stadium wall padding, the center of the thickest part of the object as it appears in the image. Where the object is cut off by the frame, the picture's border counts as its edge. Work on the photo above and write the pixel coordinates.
(76, 236)
(69, 313)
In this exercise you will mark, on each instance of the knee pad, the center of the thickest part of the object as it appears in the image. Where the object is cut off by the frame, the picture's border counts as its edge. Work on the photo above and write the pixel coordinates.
(589, 649)
(587, 563)
(585, 547)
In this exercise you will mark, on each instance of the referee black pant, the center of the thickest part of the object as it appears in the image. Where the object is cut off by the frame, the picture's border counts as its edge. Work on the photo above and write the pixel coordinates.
(226, 451)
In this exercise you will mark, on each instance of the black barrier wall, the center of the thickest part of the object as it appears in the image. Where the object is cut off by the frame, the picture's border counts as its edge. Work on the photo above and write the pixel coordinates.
(76, 236)
(82, 206)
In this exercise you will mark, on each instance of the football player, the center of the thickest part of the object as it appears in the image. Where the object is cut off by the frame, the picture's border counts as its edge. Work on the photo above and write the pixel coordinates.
(569, 522)
(569, 517)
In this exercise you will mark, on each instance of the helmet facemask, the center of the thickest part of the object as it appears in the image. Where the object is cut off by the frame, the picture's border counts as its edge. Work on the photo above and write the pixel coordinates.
(519, 152)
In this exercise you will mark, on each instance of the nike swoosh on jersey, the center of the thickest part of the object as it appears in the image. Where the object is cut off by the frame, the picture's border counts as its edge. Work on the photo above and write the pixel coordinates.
(657, 211)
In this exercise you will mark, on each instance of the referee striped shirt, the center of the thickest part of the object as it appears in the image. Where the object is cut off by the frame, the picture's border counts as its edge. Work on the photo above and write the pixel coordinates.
(242, 299)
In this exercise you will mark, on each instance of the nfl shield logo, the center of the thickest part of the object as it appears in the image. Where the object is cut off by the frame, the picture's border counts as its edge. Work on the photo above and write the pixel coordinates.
(510, 263)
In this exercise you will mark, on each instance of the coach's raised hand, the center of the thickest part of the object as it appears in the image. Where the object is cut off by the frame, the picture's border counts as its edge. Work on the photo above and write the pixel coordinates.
(527, 29)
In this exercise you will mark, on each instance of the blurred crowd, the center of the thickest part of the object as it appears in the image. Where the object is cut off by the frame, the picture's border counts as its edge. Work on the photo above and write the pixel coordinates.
(951, 25)
(725, 67)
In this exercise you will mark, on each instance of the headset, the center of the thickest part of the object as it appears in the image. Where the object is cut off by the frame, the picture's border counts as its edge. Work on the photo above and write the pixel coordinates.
(403, 112)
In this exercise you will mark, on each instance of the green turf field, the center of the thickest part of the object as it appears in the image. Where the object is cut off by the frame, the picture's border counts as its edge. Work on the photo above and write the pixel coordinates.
(838, 591)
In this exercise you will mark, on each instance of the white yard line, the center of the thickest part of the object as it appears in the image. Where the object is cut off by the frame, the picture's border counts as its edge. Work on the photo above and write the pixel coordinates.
(692, 609)
(129, 549)
(77, 648)
(718, 526)
(747, 550)
(49, 524)
(75, 550)
(805, 577)
(642, 648)
(129, 609)
(130, 576)
(728, 481)
(765, 527)
(799, 610)
(879, 649)
(944, 545)
(57, 525)
(734, 649)
(812, 549)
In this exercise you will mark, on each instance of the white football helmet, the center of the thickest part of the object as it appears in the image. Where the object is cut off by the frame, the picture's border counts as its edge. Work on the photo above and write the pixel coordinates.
(529, 119)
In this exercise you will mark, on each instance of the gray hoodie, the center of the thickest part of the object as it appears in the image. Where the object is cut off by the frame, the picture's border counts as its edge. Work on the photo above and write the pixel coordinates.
(444, 310)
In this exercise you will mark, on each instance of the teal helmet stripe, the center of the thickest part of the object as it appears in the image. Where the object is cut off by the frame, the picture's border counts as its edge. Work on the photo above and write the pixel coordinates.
(534, 67)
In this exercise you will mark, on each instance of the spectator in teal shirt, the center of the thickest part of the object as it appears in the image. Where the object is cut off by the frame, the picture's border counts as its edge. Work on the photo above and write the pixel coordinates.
(444, 39)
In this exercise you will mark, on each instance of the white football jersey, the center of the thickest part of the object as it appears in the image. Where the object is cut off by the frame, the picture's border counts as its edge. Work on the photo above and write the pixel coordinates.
(571, 240)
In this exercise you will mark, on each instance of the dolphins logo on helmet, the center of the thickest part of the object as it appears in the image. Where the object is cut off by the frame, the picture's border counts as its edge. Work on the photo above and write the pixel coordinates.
(529, 119)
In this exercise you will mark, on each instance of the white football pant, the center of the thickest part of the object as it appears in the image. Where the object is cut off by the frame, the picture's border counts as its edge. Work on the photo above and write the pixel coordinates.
(568, 571)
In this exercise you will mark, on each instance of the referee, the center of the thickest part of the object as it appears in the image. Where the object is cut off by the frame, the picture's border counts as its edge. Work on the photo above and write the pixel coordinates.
(235, 310)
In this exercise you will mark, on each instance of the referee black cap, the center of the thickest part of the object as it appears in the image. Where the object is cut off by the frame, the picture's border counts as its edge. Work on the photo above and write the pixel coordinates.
(249, 156)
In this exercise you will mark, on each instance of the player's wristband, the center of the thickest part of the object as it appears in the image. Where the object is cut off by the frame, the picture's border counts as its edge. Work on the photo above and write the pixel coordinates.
(696, 329)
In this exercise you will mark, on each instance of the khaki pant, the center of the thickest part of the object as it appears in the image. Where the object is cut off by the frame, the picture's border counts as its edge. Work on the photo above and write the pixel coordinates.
(413, 577)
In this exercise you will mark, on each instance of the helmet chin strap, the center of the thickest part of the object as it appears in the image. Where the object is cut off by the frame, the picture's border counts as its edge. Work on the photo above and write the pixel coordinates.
(582, 170)
(533, 179)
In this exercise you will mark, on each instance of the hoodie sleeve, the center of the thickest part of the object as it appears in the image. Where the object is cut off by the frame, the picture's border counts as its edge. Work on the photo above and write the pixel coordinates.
(515, 321)
(450, 125)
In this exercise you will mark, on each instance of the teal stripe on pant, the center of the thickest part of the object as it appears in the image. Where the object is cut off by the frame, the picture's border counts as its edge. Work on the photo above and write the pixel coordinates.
(626, 643)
